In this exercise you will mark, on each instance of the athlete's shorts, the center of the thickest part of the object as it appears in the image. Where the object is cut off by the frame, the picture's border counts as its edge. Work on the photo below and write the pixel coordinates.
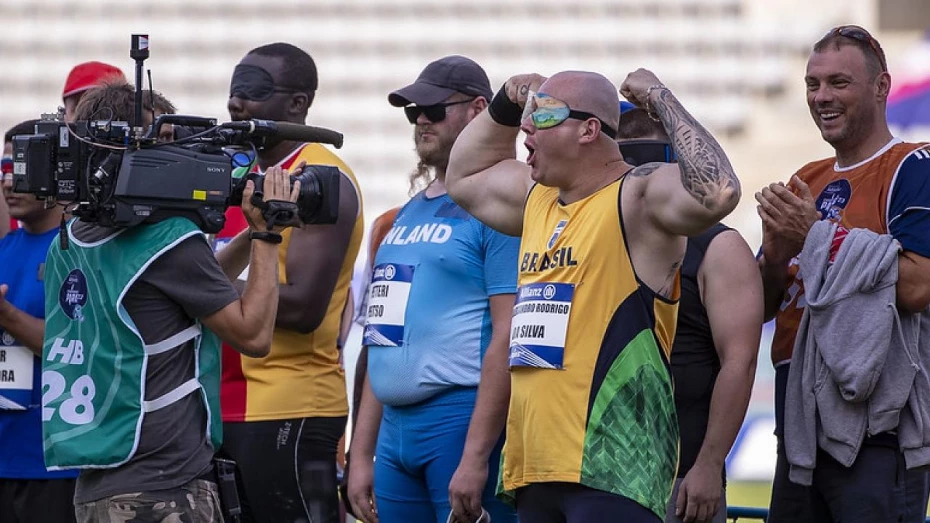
(287, 468)
(575, 503)
(419, 449)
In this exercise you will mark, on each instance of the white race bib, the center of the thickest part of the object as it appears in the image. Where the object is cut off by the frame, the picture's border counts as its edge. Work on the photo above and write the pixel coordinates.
(540, 325)
(16, 366)
(387, 304)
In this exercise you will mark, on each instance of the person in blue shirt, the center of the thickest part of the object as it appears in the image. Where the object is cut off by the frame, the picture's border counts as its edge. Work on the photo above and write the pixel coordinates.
(28, 492)
(435, 400)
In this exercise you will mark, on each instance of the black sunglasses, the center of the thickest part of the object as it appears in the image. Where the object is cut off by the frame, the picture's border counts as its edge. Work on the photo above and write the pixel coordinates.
(860, 35)
(434, 113)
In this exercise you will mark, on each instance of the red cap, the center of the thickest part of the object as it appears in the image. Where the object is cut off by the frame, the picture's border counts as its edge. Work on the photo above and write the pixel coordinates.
(89, 74)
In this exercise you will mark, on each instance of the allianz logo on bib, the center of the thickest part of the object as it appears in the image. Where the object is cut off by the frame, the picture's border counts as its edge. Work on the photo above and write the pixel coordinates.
(72, 296)
(387, 272)
(7, 339)
(547, 292)
(431, 232)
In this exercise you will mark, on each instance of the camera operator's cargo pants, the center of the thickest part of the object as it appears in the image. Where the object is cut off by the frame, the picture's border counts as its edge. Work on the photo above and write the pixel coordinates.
(194, 502)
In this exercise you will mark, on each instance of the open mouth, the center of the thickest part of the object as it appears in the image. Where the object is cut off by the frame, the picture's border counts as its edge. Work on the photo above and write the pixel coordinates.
(829, 116)
(532, 154)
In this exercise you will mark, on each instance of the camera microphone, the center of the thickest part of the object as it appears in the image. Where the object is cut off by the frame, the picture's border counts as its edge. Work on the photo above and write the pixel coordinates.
(287, 131)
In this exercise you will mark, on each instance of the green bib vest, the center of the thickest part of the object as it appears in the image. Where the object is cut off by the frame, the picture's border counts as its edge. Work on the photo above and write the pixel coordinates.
(94, 359)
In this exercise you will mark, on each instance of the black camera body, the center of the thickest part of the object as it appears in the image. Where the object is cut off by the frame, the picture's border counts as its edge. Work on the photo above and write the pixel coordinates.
(149, 181)
(53, 158)
(107, 172)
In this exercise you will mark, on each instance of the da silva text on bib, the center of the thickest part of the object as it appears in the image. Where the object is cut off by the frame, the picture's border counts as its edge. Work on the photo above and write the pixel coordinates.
(540, 325)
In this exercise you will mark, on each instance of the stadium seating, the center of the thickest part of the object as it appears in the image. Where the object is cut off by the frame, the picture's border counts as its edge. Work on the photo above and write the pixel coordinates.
(714, 53)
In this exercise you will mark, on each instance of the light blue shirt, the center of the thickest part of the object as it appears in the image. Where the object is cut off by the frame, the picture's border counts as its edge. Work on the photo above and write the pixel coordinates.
(454, 264)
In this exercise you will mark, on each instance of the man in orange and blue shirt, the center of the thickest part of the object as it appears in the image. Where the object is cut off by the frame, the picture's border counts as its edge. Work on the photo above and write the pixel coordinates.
(875, 182)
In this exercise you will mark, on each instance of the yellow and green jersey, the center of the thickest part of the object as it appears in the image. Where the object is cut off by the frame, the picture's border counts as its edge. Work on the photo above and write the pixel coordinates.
(591, 399)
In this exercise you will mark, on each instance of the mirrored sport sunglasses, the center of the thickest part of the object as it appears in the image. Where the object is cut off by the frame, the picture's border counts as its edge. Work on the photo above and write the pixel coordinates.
(254, 83)
(548, 112)
(859, 34)
(434, 113)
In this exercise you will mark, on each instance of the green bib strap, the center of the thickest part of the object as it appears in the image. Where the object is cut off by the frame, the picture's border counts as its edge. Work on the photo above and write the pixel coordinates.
(94, 359)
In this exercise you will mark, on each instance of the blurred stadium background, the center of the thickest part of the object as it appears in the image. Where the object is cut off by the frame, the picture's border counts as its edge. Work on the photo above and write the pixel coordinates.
(737, 64)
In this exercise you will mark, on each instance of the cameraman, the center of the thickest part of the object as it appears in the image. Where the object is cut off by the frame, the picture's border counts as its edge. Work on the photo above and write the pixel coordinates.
(131, 354)
(285, 414)
(28, 491)
(115, 101)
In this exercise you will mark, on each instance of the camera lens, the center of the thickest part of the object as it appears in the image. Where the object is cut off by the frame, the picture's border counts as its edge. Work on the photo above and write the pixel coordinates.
(310, 196)
(318, 199)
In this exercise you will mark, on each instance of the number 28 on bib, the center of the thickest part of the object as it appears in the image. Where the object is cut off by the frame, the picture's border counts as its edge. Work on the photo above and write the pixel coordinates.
(387, 304)
(540, 325)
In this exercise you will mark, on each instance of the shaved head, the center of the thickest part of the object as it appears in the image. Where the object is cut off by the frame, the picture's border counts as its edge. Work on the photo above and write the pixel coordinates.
(586, 91)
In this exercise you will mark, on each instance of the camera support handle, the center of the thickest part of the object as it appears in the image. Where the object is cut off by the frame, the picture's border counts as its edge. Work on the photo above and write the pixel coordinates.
(276, 212)
(139, 51)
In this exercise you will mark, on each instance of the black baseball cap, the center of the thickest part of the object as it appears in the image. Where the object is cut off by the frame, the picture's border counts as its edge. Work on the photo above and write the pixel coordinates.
(441, 79)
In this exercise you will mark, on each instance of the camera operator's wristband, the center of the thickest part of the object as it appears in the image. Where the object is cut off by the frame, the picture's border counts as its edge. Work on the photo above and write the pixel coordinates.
(505, 111)
(270, 237)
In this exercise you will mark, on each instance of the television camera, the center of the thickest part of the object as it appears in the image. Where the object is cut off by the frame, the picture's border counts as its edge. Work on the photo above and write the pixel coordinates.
(109, 172)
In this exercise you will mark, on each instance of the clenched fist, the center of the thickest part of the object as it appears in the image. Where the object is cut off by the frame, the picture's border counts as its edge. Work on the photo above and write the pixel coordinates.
(636, 87)
(518, 87)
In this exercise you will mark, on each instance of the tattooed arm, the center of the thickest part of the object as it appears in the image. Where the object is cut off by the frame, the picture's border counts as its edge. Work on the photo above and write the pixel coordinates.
(484, 176)
(702, 188)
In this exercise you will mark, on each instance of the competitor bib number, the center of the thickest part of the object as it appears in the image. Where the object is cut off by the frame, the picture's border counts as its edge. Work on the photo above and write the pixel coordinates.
(78, 408)
(387, 304)
(540, 325)
(16, 365)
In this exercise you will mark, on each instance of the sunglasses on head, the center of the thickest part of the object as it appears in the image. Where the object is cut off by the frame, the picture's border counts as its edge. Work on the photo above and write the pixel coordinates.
(250, 82)
(548, 112)
(860, 35)
(434, 113)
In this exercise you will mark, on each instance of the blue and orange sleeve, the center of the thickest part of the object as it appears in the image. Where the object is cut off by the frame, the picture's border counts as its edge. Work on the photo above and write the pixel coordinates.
(909, 207)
